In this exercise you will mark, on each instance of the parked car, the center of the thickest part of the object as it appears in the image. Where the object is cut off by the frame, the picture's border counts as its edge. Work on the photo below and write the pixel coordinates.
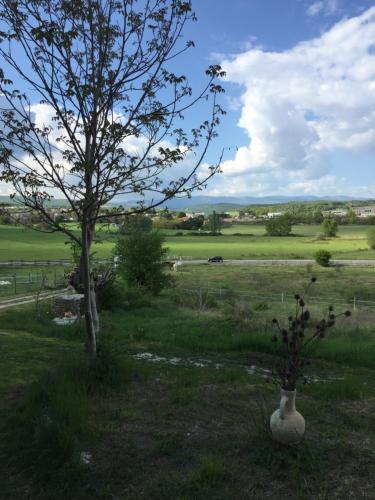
(217, 258)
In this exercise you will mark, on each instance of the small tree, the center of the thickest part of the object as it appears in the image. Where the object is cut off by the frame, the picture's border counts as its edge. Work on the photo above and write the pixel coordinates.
(141, 255)
(371, 238)
(330, 227)
(103, 73)
(279, 226)
(323, 257)
(136, 223)
(214, 222)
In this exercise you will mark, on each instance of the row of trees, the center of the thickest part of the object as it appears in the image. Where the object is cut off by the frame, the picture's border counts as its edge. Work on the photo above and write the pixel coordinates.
(282, 226)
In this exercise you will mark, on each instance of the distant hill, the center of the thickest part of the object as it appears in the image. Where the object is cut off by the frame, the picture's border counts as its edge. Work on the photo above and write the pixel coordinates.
(208, 204)
(236, 201)
(53, 203)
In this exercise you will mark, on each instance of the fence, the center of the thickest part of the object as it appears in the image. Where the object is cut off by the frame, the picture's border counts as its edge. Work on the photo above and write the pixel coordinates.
(44, 263)
(22, 283)
(179, 257)
(282, 298)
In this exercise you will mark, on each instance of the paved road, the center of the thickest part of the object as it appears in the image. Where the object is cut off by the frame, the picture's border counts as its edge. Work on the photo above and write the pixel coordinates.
(227, 262)
(278, 262)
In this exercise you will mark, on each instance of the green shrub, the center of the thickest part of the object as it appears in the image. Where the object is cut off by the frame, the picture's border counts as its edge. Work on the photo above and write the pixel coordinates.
(320, 237)
(330, 227)
(238, 311)
(323, 257)
(110, 297)
(371, 238)
(141, 261)
(279, 226)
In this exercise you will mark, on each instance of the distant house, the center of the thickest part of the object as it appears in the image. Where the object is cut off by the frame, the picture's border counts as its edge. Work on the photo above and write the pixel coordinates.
(272, 215)
(189, 215)
(364, 211)
(335, 212)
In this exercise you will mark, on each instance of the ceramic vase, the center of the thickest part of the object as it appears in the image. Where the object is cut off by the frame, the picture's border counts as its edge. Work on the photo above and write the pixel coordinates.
(287, 425)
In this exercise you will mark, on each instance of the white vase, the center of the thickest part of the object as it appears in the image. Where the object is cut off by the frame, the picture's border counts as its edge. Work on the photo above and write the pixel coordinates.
(287, 425)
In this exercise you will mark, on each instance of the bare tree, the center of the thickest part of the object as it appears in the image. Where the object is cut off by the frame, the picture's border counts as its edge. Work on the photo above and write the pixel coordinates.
(102, 69)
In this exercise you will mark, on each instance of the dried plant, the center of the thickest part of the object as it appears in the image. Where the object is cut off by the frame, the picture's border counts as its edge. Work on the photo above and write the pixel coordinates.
(297, 338)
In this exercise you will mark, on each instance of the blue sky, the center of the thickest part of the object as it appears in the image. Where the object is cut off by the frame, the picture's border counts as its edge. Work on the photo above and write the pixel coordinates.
(300, 95)
(315, 135)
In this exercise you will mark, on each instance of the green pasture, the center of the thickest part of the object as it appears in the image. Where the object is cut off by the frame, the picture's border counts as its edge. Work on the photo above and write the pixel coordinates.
(236, 242)
(193, 422)
(337, 285)
(18, 243)
(30, 279)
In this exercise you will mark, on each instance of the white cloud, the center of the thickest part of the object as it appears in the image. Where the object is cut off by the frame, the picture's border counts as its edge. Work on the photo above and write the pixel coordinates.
(327, 7)
(301, 105)
(315, 8)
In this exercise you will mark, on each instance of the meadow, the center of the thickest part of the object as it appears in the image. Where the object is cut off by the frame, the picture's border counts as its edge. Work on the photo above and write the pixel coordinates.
(236, 242)
(179, 403)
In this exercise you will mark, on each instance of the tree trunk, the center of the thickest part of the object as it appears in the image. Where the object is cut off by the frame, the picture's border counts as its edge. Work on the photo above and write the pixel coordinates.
(94, 310)
(88, 289)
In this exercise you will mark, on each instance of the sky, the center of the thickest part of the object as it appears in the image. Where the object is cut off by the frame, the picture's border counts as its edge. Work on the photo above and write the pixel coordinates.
(300, 95)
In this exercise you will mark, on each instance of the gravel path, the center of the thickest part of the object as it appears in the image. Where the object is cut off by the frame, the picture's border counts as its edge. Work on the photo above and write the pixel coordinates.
(27, 299)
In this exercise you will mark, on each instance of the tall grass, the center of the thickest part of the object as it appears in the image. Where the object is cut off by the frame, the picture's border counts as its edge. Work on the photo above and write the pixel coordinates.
(56, 423)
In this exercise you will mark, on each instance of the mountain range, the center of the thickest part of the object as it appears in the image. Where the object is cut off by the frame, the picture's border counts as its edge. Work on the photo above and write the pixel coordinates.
(207, 204)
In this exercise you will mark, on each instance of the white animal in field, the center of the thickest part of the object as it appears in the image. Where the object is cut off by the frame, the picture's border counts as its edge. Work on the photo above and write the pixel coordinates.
(176, 265)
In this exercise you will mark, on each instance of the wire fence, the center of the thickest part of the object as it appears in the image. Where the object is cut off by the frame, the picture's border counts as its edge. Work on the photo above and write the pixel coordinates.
(282, 298)
(45, 263)
(23, 283)
(180, 257)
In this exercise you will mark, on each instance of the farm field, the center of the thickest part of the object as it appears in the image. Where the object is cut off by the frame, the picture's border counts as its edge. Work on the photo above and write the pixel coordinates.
(338, 285)
(189, 416)
(18, 243)
(25, 280)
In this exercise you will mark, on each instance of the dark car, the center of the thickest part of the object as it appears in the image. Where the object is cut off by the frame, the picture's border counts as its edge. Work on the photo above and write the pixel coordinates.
(215, 259)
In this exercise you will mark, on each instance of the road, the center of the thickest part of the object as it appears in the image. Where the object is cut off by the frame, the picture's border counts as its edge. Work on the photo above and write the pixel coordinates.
(227, 262)
(278, 262)
(27, 299)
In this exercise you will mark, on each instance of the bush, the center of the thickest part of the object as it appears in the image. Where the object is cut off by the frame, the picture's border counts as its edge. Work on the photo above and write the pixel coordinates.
(330, 228)
(320, 237)
(279, 226)
(141, 256)
(110, 297)
(371, 238)
(238, 311)
(323, 257)
(136, 223)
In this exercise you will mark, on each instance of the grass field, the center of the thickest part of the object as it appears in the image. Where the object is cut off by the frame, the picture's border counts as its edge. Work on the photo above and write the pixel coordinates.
(25, 280)
(337, 284)
(189, 418)
(19, 243)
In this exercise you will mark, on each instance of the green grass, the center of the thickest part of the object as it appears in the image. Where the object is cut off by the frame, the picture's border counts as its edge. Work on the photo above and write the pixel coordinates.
(351, 243)
(26, 280)
(194, 429)
(19, 243)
